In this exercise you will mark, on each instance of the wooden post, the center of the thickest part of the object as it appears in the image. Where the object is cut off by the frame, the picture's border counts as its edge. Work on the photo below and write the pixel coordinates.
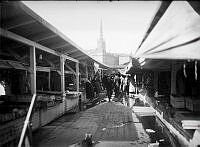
(33, 70)
(62, 69)
(77, 76)
(86, 70)
(155, 84)
(143, 85)
(49, 82)
(136, 87)
(174, 69)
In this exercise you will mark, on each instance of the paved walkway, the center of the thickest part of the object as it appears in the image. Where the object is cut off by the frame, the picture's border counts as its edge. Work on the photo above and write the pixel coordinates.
(110, 121)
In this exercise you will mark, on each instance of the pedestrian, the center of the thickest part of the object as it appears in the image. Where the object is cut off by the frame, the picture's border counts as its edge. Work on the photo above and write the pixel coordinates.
(117, 82)
(80, 103)
(109, 87)
(104, 81)
(127, 85)
(89, 90)
(131, 88)
(122, 83)
(96, 84)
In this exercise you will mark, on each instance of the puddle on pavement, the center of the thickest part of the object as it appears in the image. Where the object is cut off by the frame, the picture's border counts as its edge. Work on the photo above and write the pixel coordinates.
(114, 126)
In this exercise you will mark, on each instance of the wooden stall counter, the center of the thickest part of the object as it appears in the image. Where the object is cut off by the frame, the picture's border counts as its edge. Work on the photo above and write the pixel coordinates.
(72, 100)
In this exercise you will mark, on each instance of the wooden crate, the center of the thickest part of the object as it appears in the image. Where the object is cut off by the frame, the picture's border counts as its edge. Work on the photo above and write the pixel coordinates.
(177, 102)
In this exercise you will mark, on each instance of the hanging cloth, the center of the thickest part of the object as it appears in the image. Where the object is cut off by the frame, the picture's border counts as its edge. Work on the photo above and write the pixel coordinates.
(184, 71)
(195, 70)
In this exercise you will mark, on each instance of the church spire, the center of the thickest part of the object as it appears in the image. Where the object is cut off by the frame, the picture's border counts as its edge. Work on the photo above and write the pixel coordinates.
(101, 31)
(101, 45)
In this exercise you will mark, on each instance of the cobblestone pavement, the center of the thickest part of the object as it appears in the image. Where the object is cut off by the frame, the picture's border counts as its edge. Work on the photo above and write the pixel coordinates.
(110, 121)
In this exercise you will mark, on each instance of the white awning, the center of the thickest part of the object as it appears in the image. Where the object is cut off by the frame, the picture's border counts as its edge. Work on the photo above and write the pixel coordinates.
(176, 35)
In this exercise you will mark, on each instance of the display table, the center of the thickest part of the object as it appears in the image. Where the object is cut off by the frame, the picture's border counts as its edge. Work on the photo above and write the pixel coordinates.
(72, 100)
(47, 108)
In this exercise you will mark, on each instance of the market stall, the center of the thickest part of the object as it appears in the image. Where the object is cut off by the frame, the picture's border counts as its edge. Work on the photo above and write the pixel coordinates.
(171, 45)
(38, 66)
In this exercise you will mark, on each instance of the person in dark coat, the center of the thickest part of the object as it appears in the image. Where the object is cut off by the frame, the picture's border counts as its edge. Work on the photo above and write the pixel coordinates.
(89, 90)
(109, 87)
(104, 80)
(117, 82)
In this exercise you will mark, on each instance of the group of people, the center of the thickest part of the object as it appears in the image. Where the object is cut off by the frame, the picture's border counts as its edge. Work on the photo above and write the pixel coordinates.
(117, 83)
(93, 87)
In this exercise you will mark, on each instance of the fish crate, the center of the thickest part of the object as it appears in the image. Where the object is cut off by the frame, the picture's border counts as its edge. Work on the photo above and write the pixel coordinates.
(193, 104)
(177, 101)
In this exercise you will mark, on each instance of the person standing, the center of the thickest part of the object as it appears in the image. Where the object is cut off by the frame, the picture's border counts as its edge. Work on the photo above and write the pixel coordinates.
(109, 87)
(89, 90)
(117, 82)
(104, 79)
(127, 85)
(96, 84)
(127, 81)
(80, 103)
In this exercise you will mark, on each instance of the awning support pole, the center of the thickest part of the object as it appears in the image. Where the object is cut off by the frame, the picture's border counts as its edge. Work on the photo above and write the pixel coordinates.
(86, 70)
(33, 91)
(77, 77)
(33, 70)
(62, 68)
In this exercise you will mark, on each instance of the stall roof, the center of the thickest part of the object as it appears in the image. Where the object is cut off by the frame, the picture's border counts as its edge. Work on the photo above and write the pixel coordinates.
(175, 34)
(19, 20)
(12, 64)
(149, 65)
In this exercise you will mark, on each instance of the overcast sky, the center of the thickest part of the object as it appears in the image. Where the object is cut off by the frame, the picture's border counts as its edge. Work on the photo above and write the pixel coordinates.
(124, 23)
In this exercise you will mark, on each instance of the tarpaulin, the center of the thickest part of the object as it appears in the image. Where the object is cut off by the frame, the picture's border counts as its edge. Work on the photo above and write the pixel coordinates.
(176, 35)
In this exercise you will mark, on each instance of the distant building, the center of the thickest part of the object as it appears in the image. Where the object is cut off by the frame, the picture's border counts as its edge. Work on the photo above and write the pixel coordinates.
(124, 58)
(100, 54)
(111, 59)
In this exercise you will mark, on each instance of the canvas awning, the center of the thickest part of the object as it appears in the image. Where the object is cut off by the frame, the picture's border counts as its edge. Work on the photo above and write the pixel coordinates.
(176, 35)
